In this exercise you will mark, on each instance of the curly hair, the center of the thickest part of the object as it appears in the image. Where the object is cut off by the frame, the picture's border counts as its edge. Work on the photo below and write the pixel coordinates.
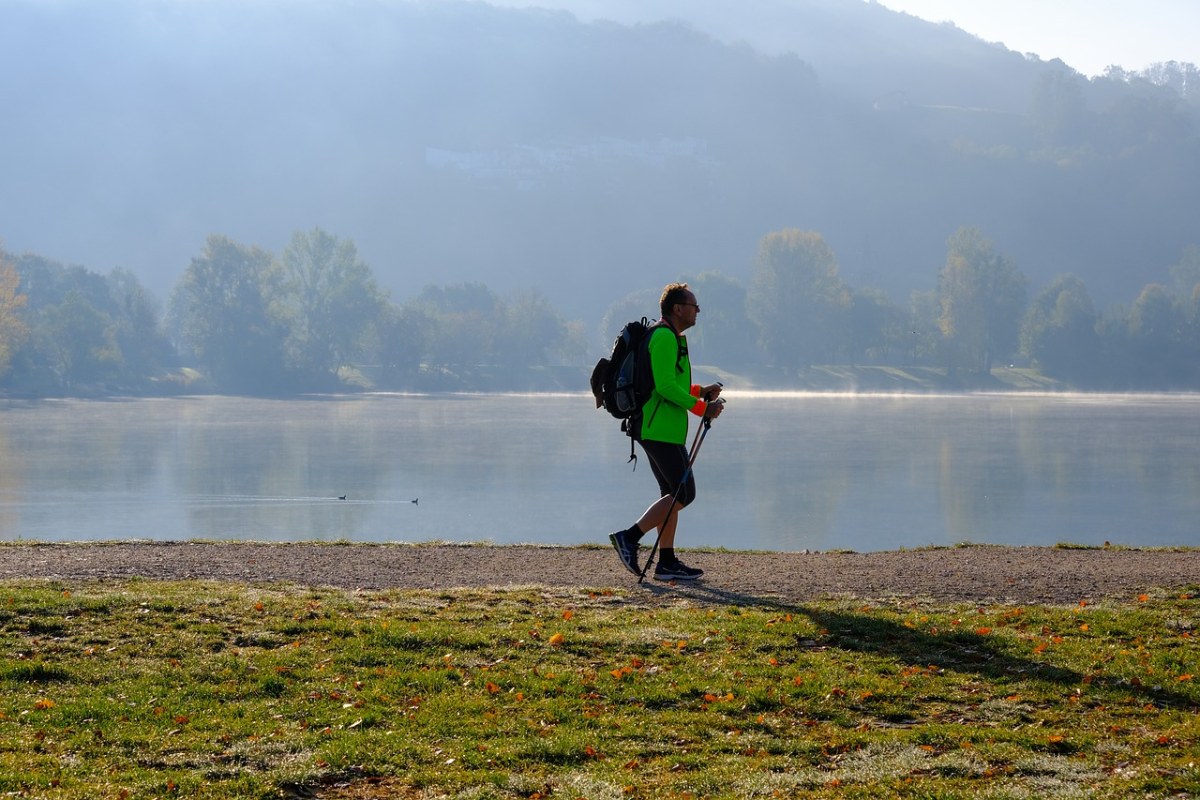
(672, 294)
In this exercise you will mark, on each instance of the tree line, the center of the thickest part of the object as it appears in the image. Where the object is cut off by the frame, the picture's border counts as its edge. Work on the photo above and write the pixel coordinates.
(314, 319)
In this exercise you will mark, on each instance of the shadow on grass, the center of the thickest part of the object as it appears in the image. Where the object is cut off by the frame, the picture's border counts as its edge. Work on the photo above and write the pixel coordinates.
(958, 650)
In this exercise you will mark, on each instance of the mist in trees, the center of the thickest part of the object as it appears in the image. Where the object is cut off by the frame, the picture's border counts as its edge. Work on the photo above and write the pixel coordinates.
(457, 142)
(797, 299)
(509, 187)
(313, 319)
(982, 296)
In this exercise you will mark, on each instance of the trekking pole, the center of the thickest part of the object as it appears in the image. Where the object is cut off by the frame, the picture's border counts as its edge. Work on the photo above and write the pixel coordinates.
(701, 432)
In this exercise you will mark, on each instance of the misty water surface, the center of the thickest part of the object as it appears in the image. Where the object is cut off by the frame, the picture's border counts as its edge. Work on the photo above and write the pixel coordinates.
(777, 471)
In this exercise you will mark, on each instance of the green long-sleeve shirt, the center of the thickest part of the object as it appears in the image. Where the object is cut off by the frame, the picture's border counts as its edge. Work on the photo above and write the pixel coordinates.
(664, 417)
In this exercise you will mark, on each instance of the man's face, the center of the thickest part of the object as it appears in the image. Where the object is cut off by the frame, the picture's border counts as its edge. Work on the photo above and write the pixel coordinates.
(687, 310)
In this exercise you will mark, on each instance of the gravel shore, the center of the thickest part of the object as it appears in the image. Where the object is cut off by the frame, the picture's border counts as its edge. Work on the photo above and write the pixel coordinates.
(976, 574)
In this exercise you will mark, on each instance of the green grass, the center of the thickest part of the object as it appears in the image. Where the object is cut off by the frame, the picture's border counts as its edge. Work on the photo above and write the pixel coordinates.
(144, 689)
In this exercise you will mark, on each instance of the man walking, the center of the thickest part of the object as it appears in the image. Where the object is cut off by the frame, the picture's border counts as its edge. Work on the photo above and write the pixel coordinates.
(662, 429)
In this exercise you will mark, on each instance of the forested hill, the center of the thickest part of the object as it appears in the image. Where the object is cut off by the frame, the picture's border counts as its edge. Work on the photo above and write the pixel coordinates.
(524, 148)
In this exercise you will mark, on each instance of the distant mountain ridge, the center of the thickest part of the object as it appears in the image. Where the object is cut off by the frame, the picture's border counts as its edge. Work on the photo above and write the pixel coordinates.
(460, 141)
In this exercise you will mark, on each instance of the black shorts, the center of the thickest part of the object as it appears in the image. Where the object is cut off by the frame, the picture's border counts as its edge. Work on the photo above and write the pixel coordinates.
(669, 462)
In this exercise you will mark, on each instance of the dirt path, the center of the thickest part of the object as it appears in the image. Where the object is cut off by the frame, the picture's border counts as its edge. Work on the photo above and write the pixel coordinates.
(983, 574)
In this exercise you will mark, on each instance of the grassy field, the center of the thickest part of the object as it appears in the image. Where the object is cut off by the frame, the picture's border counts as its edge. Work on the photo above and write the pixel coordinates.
(154, 690)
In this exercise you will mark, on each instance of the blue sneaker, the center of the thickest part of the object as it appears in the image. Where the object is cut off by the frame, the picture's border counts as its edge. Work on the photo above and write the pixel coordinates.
(676, 572)
(626, 547)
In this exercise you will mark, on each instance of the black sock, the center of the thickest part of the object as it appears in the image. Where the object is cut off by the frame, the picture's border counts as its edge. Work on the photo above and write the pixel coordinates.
(635, 532)
(666, 556)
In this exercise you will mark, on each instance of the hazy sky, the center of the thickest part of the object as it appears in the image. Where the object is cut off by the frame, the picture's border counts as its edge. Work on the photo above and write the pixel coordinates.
(1088, 35)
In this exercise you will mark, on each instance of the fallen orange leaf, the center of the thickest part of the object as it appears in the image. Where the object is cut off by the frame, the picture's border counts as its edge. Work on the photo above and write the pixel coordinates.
(557, 639)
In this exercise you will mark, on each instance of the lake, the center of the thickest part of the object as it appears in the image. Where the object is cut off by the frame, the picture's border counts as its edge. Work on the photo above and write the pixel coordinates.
(778, 471)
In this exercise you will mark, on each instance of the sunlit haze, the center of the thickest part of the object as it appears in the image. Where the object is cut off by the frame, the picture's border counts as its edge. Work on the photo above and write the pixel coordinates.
(1088, 35)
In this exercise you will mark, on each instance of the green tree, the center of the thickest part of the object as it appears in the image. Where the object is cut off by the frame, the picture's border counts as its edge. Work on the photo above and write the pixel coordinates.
(797, 298)
(138, 329)
(1057, 107)
(724, 335)
(1185, 275)
(86, 328)
(400, 342)
(635, 305)
(468, 320)
(81, 342)
(1058, 333)
(534, 333)
(923, 341)
(1161, 355)
(329, 300)
(877, 329)
(220, 308)
(12, 328)
(982, 297)
(1155, 317)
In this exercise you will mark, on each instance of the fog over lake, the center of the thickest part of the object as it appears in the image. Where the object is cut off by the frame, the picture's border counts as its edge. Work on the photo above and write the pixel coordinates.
(778, 471)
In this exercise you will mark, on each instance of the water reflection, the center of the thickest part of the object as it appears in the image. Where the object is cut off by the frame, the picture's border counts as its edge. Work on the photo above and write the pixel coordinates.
(780, 472)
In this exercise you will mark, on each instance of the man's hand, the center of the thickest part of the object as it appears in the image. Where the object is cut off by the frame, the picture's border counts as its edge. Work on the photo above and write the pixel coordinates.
(711, 392)
(714, 409)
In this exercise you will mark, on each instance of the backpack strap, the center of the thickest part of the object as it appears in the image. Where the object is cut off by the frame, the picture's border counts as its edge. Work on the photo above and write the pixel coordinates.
(627, 426)
(679, 350)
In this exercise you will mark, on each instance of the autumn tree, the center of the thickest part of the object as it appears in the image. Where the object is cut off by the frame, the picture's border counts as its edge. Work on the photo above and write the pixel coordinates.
(981, 296)
(12, 329)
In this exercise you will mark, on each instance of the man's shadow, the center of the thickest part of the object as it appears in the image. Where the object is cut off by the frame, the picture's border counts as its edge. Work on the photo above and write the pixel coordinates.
(963, 651)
